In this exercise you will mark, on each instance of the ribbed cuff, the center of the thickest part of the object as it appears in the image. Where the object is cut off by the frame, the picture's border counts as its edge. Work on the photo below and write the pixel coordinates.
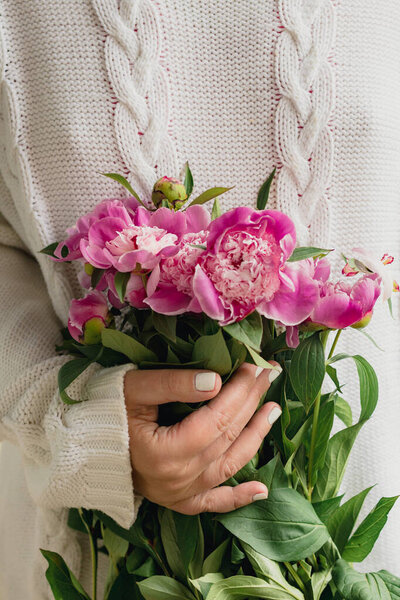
(105, 467)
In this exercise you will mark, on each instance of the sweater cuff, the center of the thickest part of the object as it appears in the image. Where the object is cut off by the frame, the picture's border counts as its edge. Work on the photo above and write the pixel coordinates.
(106, 472)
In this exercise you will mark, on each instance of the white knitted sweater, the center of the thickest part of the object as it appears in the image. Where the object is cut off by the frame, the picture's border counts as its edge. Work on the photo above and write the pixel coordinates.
(138, 87)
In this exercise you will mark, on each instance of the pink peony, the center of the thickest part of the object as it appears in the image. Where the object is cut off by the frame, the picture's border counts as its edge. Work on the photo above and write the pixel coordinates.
(134, 295)
(87, 317)
(244, 268)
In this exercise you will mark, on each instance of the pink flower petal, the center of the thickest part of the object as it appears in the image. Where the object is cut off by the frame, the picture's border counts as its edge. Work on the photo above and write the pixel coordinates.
(207, 295)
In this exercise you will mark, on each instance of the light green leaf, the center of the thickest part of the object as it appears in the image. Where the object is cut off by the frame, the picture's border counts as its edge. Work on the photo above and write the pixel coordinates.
(212, 350)
(325, 423)
(337, 455)
(249, 331)
(68, 373)
(343, 411)
(216, 210)
(166, 325)
(160, 587)
(213, 562)
(121, 342)
(284, 528)
(120, 282)
(307, 370)
(341, 523)
(187, 178)
(204, 583)
(270, 571)
(125, 183)
(263, 194)
(259, 360)
(308, 252)
(363, 540)
(319, 581)
(392, 583)
(360, 586)
(62, 581)
(244, 586)
(116, 545)
(210, 194)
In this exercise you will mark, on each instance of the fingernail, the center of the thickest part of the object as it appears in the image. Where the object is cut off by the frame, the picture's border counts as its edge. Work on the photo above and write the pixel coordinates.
(259, 370)
(274, 415)
(205, 382)
(261, 496)
(274, 373)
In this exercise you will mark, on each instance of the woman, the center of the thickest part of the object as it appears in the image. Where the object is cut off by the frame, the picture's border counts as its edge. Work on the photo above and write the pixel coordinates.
(138, 87)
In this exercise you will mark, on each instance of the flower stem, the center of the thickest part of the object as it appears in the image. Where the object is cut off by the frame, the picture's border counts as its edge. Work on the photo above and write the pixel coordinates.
(335, 341)
(314, 431)
(295, 576)
(93, 552)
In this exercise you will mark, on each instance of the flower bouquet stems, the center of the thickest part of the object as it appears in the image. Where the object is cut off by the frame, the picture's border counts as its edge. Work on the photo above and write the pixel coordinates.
(187, 292)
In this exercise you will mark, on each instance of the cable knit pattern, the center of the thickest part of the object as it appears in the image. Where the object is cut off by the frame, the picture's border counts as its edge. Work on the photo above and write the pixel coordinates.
(303, 134)
(132, 54)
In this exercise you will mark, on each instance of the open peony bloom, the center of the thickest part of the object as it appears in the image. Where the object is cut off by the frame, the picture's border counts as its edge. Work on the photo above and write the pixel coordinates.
(87, 317)
(244, 268)
(364, 261)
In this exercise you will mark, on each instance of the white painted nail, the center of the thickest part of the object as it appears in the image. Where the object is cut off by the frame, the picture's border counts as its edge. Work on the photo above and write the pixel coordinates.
(261, 496)
(274, 373)
(205, 382)
(259, 370)
(274, 415)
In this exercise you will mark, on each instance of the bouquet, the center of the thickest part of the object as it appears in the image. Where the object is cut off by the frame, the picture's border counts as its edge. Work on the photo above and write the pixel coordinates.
(172, 286)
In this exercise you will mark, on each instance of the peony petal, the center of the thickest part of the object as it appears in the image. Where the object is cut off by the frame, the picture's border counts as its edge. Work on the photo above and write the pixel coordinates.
(207, 295)
(168, 301)
(173, 222)
(96, 256)
(337, 311)
(292, 336)
(366, 291)
(105, 230)
(197, 218)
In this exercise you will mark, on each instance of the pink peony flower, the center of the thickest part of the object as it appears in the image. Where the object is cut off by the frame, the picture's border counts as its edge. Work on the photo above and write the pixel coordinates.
(244, 268)
(87, 318)
(134, 295)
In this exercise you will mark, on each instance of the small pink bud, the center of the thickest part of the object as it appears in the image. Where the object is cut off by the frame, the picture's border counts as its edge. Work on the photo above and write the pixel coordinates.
(396, 286)
(349, 270)
(169, 189)
(387, 259)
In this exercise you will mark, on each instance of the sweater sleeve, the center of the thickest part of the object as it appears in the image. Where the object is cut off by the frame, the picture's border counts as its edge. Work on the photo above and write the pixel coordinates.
(75, 455)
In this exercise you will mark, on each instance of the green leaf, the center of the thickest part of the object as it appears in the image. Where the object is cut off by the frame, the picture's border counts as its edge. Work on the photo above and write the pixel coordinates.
(263, 194)
(284, 528)
(273, 474)
(249, 331)
(243, 586)
(75, 520)
(363, 586)
(325, 508)
(237, 556)
(120, 282)
(49, 250)
(121, 342)
(160, 587)
(363, 540)
(204, 583)
(308, 252)
(337, 455)
(117, 546)
(63, 583)
(166, 325)
(68, 373)
(333, 375)
(392, 583)
(307, 370)
(125, 183)
(368, 384)
(147, 569)
(216, 210)
(319, 581)
(95, 277)
(186, 175)
(324, 428)
(210, 194)
(341, 523)
(213, 351)
(124, 588)
(270, 571)
(213, 562)
(259, 360)
(179, 534)
(343, 411)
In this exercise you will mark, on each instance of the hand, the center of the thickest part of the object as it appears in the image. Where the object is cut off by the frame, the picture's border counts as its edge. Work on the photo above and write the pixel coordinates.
(180, 466)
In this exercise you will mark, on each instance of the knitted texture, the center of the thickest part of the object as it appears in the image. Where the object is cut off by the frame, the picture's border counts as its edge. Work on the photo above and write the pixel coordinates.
(138, 87)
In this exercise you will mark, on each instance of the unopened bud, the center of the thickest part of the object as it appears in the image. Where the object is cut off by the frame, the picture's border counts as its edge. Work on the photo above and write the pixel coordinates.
(171, 190)
(92, 331)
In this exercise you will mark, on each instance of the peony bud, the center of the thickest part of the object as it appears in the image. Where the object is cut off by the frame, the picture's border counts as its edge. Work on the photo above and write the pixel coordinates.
(92, 330)
(87, 318)
(169, 189)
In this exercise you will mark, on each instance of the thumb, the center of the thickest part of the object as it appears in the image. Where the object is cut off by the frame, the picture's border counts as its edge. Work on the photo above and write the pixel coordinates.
(170, 385)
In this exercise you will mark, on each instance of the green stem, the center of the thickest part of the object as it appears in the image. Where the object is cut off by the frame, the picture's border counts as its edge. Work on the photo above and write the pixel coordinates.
(295, 576)
(335, 341)
(93, 552)
(314, 431)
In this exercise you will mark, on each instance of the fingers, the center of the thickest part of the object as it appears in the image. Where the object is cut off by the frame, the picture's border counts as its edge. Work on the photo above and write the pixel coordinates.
(169, 385)
(222, 499)
(241, 451)
(220, 416)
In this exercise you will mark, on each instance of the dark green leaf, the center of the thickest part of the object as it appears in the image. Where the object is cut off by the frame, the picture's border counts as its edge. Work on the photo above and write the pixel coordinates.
(68, 373)
(179, 534)
(273, 474)
(307, 370)
(325, 508)
(213, 562)
(248, 330)
(124, 588)
(160, 587)
(204, 583)
(360, 586)
(308, 252)
(166, 325)
(341, 523)
(117, 546)
(75, 521)
(209, 195)
(63, 583)
(187, 179)
(49, 250)
(120, 282)
(337, 455)
(263, 194)
(285, 527)
(97, 274)
(120, 179)
(237, 556)
(213, 351)
(363, 540)
(121, 342)
(216, 210)
(343, 411)
(324, 428)
(333, 375)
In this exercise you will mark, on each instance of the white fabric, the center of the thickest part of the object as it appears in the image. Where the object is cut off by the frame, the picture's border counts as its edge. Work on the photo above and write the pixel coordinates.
(138, 87)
